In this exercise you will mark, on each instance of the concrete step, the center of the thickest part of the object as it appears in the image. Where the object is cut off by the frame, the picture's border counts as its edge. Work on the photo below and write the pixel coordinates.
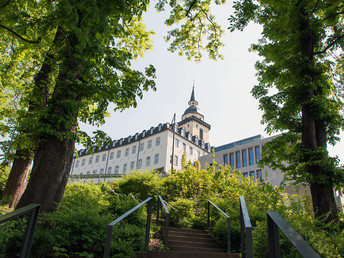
(174, 254)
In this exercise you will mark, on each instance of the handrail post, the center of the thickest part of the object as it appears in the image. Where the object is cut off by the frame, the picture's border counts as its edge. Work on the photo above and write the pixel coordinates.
(274, 246)
(157, 214)
(166, 229)
(208, 214)
(149, 215)
(30, 229)
(246, 230)
(229, 235)
(33, 209)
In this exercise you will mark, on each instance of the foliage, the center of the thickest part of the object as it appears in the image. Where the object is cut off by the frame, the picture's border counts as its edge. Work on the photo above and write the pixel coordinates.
(186, 212)
(4, 172)
(141, 184)
(197, 22)
(78, 228)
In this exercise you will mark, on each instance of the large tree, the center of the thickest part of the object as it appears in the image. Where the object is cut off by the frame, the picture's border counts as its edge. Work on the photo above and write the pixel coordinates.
(86, 63)
(299, 91)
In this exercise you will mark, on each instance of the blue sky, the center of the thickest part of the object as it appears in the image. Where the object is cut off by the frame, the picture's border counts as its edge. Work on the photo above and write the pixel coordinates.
(222, 88)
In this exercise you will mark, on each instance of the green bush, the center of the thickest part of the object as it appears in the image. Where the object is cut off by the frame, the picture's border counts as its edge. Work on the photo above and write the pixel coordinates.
(141, 184)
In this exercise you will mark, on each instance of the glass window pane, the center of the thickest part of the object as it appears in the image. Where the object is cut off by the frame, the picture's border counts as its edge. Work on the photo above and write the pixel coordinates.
(237, 159)
(257, 151)
(225, 159)
(250, 156)
(244, 158)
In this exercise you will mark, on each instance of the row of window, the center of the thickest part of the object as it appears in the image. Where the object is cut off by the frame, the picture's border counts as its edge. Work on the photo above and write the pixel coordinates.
(125, 166)
(118, 154)
(255, 174)
(184, 148)
(240, 159)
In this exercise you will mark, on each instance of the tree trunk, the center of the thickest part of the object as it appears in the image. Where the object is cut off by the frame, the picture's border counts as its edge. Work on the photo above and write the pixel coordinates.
(54, 155)
(17, 180)
(314, 134)
(49, 176)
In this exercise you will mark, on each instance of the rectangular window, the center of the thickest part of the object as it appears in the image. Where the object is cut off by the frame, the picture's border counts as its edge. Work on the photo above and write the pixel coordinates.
(257, 151)
(88, 172)
(252, 174)
(244, 158)
(90, 160)
(109, 170)
(126, 152)
(191, 150)
(259, 175)
(148, 162)
(149, 145)
(142, 146)
(102, 171)
(157, 142)
(118, 154)
(231, 160)
(117, 170)
(125, 168)
(176, 160)
(97, 159)
(104, 157)
(250, 156)
(156, 159)
(134, 150)
(77, 164)
(245, 174)
(177, 143)
(225, 159)
(139, 165)
(112, 155)
(132, 165)
(83, 162)
(184, 147)
(237, 159)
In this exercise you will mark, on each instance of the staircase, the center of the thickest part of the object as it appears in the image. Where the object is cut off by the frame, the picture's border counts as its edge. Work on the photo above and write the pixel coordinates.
(190, 243)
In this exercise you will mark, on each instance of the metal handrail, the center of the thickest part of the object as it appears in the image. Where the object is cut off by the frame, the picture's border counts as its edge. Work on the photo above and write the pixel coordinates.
(163, 202)
(167, 217)
(228, 223)
(30, 228)
(109, 189)
(246, 230)
(275, 221)
(112, 224)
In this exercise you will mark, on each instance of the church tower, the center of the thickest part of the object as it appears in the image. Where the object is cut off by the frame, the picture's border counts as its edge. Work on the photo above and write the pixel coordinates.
(193, 120)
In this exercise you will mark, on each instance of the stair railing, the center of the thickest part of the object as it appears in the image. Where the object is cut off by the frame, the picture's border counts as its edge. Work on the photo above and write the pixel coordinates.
(275, 221)
(246, 230)
(107, 187)
(228, 223)
(30, 228)
(163, 203)
(112, 224)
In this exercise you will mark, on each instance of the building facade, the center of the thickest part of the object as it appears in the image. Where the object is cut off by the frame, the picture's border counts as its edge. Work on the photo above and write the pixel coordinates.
(244, 155)
(153, 149)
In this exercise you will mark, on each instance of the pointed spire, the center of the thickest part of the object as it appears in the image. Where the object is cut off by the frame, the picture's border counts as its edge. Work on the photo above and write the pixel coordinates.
(193, 94)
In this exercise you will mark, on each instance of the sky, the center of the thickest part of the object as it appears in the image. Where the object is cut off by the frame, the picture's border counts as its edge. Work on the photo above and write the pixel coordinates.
(222, 88)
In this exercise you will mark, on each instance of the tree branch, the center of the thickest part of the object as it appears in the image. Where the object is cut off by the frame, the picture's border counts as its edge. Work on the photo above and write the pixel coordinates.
(5, 4)
(329, 46)
(333, 15)
(315, 7)
(17, 35)
(190, 7)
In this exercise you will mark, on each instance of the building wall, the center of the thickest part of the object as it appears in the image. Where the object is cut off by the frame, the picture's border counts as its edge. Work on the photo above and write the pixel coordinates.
(243, 148)
(152, 149)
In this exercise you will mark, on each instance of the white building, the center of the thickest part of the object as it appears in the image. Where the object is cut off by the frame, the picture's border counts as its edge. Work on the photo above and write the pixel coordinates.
(150, 149)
